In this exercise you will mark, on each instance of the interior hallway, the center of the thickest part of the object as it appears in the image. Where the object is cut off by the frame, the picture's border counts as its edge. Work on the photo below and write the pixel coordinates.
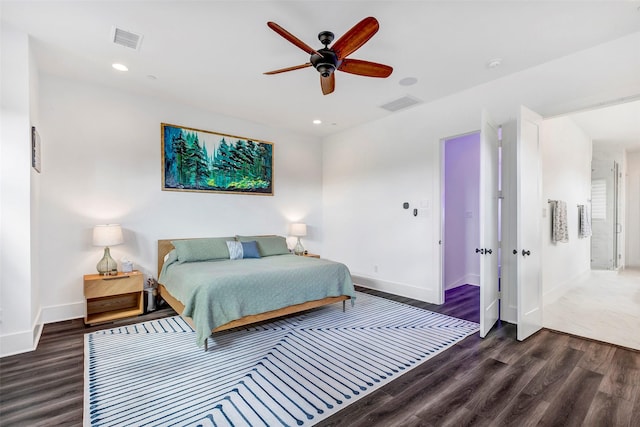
(604, 306)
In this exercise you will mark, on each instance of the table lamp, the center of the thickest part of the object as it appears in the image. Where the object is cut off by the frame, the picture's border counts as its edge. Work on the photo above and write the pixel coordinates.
(107, 235)
(298, 230)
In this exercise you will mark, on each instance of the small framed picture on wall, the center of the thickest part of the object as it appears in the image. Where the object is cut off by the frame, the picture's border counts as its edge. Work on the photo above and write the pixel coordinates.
(35, 150)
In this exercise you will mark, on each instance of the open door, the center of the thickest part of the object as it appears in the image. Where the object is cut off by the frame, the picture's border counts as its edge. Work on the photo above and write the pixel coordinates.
(528, 246)
(488, 245)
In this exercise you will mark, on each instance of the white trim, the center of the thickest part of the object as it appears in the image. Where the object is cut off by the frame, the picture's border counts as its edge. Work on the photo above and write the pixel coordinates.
(23, 341)
(401, 289)
(467, 279)
(61, 312)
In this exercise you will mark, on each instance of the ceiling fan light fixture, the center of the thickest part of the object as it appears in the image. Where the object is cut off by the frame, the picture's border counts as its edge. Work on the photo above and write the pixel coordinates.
(325, 70)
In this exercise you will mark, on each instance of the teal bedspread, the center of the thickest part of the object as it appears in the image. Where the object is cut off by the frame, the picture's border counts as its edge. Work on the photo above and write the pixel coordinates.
(219, 291)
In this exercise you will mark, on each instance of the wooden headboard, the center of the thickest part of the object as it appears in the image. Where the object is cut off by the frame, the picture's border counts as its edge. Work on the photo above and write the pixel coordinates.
(164, 247)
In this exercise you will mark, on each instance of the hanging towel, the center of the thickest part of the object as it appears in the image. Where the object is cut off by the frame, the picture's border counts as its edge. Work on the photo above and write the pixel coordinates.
(585, 222)
(560, 231)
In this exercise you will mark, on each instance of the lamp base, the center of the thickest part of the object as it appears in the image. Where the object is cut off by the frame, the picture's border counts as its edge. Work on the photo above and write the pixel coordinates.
(299, 249)
(107, 265)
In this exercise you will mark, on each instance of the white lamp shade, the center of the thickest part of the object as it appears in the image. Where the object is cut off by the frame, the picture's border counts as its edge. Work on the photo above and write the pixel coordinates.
(298, 229)
(107, 235)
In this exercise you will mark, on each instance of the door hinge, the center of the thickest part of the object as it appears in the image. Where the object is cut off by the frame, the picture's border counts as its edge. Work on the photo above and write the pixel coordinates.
(500, 196)
(499, 294)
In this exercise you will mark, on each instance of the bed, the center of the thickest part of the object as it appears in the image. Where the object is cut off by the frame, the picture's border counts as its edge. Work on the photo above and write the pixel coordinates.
(213, 292)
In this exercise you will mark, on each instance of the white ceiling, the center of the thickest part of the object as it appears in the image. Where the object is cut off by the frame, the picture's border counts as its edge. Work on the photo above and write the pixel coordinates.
(211, 54)
(616, 127)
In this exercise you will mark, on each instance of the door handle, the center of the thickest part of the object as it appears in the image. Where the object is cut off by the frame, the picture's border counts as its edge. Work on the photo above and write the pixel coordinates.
(480, 250)
(525, 253)
(488, 251)
(515, 252)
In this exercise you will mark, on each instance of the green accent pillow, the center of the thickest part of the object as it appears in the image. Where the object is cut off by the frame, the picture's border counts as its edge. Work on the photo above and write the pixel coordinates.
(268, 245)
(192, 250)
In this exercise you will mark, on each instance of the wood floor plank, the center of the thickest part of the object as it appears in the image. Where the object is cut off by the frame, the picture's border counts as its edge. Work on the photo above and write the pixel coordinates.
(490, 402)
(574, 399)
(635, 413)
(548, 382)
(607, 410)
(597, 357)
(459, 393)
(521, 410)
(622, 378)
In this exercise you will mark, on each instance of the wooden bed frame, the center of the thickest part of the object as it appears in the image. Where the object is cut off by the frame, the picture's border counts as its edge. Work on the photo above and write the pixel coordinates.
(165, 246)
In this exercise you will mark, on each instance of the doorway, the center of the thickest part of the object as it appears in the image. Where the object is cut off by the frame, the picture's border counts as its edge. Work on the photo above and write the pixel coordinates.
(597, 302)
(461, 228)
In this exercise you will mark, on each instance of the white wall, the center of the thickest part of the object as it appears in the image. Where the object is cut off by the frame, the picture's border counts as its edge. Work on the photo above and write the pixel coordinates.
(633, 210)
(461, 210)
(370, 170)
(566, 175)
(19, 301)
(102, 165)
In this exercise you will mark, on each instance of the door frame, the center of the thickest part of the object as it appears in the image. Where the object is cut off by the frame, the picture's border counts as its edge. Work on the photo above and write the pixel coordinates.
(442, 243)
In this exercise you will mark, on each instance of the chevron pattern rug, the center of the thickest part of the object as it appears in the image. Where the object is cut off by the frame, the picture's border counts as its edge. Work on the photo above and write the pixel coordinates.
(293, 371)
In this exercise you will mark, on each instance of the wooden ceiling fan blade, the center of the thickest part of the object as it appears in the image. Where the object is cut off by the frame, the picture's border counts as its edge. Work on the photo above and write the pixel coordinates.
(291, 38)
(284, 70)
(355, 37)
(328, 84)
(365, 68)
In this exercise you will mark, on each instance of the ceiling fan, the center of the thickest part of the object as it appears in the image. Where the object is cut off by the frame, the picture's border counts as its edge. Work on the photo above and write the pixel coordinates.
(328, 59)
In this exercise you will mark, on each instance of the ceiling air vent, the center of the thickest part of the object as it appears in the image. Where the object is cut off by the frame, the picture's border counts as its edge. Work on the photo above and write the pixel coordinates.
(401, 103)
(126, 38)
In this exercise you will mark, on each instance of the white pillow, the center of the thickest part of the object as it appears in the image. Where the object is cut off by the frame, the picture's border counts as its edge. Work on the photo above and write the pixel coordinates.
(235, 250)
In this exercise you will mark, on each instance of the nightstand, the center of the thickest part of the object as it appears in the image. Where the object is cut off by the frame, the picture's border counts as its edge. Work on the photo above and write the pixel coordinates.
(113, 297)
(312, 255)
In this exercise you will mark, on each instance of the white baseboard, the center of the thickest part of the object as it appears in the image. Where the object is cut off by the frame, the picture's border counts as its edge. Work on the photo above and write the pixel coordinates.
(22, 341)
(59, 313)
(467, 279)
(401, 289)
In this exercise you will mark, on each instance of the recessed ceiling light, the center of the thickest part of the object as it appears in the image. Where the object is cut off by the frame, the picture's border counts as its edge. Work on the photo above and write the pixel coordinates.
(317, 122)
(494, 63)
(408, 81)
(120, 67)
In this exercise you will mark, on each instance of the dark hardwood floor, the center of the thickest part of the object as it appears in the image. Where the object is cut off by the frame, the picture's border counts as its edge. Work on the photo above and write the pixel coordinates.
(552, 379)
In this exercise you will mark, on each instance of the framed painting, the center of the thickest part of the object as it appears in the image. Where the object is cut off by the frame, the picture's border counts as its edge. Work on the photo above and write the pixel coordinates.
(204, 161)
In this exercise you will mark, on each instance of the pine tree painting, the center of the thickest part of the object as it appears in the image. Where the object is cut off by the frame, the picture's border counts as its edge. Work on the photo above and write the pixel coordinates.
(197, 160)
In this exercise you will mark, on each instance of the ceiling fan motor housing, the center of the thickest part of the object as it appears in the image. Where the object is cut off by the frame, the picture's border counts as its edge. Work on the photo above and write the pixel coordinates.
(326, 63)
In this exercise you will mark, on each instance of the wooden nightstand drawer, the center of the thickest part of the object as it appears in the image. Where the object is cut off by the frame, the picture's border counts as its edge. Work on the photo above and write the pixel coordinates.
(113, 297)
(96, 286)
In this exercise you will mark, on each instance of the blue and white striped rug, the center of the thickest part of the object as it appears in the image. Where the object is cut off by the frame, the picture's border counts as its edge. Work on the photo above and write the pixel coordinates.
(293, 371)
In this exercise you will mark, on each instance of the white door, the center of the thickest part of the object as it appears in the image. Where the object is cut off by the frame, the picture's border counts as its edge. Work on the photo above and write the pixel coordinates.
(487, 248)
(528, 247)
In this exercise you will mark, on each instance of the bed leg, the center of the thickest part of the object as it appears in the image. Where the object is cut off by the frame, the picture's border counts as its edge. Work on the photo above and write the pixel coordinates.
(206, 344)
(344, 306)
